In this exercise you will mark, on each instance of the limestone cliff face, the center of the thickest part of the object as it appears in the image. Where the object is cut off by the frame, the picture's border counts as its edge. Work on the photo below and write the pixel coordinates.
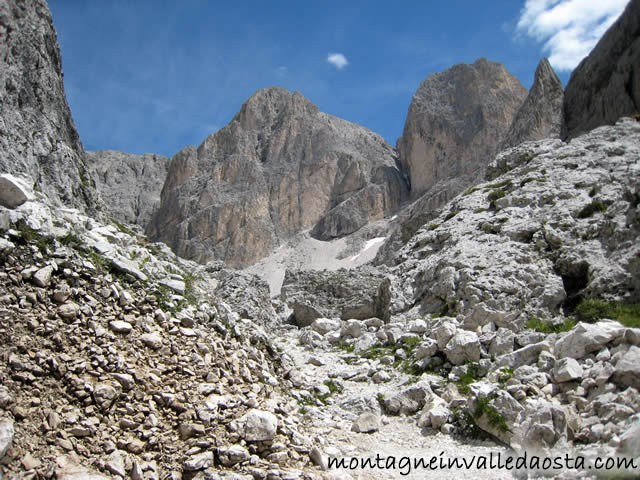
(129, 184)
(279, 167)
(606, 84)
(38, 138)
(456, 121)
(541, 115)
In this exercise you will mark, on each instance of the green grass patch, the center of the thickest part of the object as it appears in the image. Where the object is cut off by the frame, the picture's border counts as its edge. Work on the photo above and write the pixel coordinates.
(123, 228)
(333, 386)
(376, 352)
(591, 209)
(72, 240)
(545, 327)
(494, 417)
(505, 376)
(449, 308)
(410, 344)
(467, 378)
(470, 190)
(346, 347)
(532, 179)
(30, 236)
(592, 310)
(433, 226)
(190, 293)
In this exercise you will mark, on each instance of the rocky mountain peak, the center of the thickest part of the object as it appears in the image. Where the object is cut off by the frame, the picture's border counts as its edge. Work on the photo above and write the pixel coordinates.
(541, 115)
(268, 105)
(279, 167)
(456, 121)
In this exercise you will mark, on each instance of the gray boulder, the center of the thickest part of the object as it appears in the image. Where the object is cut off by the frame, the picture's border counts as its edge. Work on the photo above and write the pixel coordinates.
(567, 370)
(13, 191)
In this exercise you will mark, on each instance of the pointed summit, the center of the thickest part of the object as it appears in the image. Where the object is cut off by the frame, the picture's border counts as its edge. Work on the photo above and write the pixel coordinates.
(541, 114)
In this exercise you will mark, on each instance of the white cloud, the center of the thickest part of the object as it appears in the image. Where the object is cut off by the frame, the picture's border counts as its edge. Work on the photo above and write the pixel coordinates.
(568, 28)
(338, 60)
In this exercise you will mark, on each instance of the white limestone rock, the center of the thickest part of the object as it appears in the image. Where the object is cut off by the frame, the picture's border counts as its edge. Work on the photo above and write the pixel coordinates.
(258, 425)
(585, 338)
(627, 369)
(463, 347)
(567, 370)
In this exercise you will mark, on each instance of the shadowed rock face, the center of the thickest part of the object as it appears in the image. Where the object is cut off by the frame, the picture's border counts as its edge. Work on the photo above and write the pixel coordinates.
(38, 139)
(606, 84)
(279, 167)
(456, 121)
(129, 184)
(541, 115)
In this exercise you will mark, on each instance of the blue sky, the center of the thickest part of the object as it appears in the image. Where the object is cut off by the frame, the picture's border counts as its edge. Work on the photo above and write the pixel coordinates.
(157, 75)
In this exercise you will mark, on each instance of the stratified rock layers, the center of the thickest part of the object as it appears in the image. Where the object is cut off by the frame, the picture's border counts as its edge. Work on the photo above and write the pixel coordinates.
(606, 84)
(38, 139)
(279, 167)
(456, 121)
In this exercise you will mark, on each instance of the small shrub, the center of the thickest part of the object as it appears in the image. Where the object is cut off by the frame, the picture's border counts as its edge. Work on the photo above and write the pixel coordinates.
(190, 294)
(495, 418)
(505, 376)
(467, 378)
(450, 215)
(594, 190)
(433, 226)
(592, 208)
(496, 194)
